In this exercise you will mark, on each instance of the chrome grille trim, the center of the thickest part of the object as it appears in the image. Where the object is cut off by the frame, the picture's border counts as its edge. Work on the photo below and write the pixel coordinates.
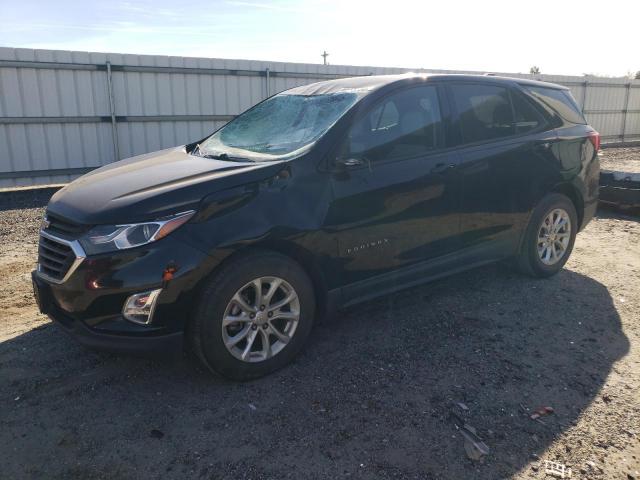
(62, 226)
(77, 250)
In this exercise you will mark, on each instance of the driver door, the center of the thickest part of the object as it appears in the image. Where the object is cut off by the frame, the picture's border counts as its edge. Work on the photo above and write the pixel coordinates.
(395, 191)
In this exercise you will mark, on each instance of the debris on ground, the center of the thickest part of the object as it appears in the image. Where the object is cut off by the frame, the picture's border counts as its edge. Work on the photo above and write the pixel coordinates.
(473, 444)
(541, 412)
(556, 469)
(620, 159)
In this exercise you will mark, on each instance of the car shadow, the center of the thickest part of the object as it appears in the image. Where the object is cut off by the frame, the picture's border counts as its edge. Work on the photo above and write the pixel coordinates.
(613, 211)
(377, 392)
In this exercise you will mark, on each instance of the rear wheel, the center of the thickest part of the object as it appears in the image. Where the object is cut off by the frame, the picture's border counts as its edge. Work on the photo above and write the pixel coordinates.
(549, 237)
(253, 316)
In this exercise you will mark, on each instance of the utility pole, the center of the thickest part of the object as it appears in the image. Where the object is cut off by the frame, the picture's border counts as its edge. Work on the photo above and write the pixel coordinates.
(324, 56)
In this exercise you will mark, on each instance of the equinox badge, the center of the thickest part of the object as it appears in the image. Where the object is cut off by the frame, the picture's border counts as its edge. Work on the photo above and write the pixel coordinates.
(367, 245)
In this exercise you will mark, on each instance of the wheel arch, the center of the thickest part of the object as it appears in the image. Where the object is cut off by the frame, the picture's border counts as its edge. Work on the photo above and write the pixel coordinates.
(293, 251)
(305, 259)
(570, 191)
(564, 188)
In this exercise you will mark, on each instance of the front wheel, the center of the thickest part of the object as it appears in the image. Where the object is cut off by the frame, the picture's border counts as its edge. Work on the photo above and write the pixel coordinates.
(549, 238)
(253, 316)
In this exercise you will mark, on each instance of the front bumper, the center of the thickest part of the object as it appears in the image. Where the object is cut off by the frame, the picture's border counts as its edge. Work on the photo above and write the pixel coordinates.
(88, 304)
(167, 344)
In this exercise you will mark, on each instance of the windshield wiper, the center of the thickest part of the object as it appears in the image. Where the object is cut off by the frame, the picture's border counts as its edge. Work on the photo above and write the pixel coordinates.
(197, 151)
(226, 157)
(217, 156)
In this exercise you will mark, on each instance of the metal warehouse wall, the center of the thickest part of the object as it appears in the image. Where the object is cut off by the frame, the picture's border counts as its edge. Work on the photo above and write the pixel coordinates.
(63, 113)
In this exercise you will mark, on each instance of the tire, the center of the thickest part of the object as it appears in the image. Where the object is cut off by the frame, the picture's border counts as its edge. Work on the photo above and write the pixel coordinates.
(530, 261)
(211, 341)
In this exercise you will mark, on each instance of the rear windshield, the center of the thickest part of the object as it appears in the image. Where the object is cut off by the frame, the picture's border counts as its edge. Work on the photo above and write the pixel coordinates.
(560, 101)
(280, 126)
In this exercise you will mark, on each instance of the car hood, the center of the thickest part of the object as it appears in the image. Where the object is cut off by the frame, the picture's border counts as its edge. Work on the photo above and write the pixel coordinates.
(150, 186)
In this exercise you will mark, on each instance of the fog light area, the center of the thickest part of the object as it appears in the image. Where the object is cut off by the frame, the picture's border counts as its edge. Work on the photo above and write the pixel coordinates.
(139, 307)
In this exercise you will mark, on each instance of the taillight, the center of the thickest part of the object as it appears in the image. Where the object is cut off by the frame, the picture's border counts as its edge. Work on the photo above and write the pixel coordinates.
(595, 139)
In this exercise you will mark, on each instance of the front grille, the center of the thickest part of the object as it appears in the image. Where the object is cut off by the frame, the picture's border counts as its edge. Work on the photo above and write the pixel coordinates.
(59, 225)
(54, 258)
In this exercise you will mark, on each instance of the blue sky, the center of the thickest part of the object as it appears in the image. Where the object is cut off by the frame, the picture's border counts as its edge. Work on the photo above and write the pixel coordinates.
(560, 36)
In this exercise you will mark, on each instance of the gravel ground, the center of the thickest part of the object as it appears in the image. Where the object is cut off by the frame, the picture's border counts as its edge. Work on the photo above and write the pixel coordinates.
(621, 159)
(377, 393)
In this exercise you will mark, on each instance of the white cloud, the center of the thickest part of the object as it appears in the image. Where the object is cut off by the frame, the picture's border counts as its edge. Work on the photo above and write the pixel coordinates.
(570, 37)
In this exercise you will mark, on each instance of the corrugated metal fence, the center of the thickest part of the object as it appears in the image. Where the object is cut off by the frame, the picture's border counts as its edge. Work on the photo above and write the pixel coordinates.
(63, 113)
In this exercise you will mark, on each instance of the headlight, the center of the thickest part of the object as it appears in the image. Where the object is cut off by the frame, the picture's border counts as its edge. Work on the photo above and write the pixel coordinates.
(108, 238)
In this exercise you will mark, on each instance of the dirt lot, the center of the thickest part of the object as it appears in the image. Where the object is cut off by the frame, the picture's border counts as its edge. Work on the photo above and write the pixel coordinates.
(375, 394)
(621, 159)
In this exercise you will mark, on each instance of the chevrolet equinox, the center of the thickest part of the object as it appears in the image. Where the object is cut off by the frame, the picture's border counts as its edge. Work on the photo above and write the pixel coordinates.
(319, 197)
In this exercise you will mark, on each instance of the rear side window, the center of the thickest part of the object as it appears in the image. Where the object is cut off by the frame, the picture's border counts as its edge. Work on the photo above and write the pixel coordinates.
(526, 116)
(405, 124)
(485, 112)
(560, 101)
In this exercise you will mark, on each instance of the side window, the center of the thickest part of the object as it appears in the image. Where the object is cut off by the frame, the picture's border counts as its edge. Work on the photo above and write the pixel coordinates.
(527, 117)
(561, 102)
(384, 117)
(405, 124)
(485, 112)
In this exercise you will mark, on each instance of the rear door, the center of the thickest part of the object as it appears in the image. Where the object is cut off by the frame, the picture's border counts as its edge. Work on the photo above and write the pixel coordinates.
(505, 147)
(395, 189)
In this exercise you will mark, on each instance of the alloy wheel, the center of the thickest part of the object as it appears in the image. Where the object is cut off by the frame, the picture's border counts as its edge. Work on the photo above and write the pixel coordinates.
(554, 236)
(260, 319)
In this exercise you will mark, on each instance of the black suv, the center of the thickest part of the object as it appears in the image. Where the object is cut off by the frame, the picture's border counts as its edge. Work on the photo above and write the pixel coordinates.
(316, 198)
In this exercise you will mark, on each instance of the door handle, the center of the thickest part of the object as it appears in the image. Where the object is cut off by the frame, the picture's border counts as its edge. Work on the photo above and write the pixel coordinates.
(350, 162)
(442, 167)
